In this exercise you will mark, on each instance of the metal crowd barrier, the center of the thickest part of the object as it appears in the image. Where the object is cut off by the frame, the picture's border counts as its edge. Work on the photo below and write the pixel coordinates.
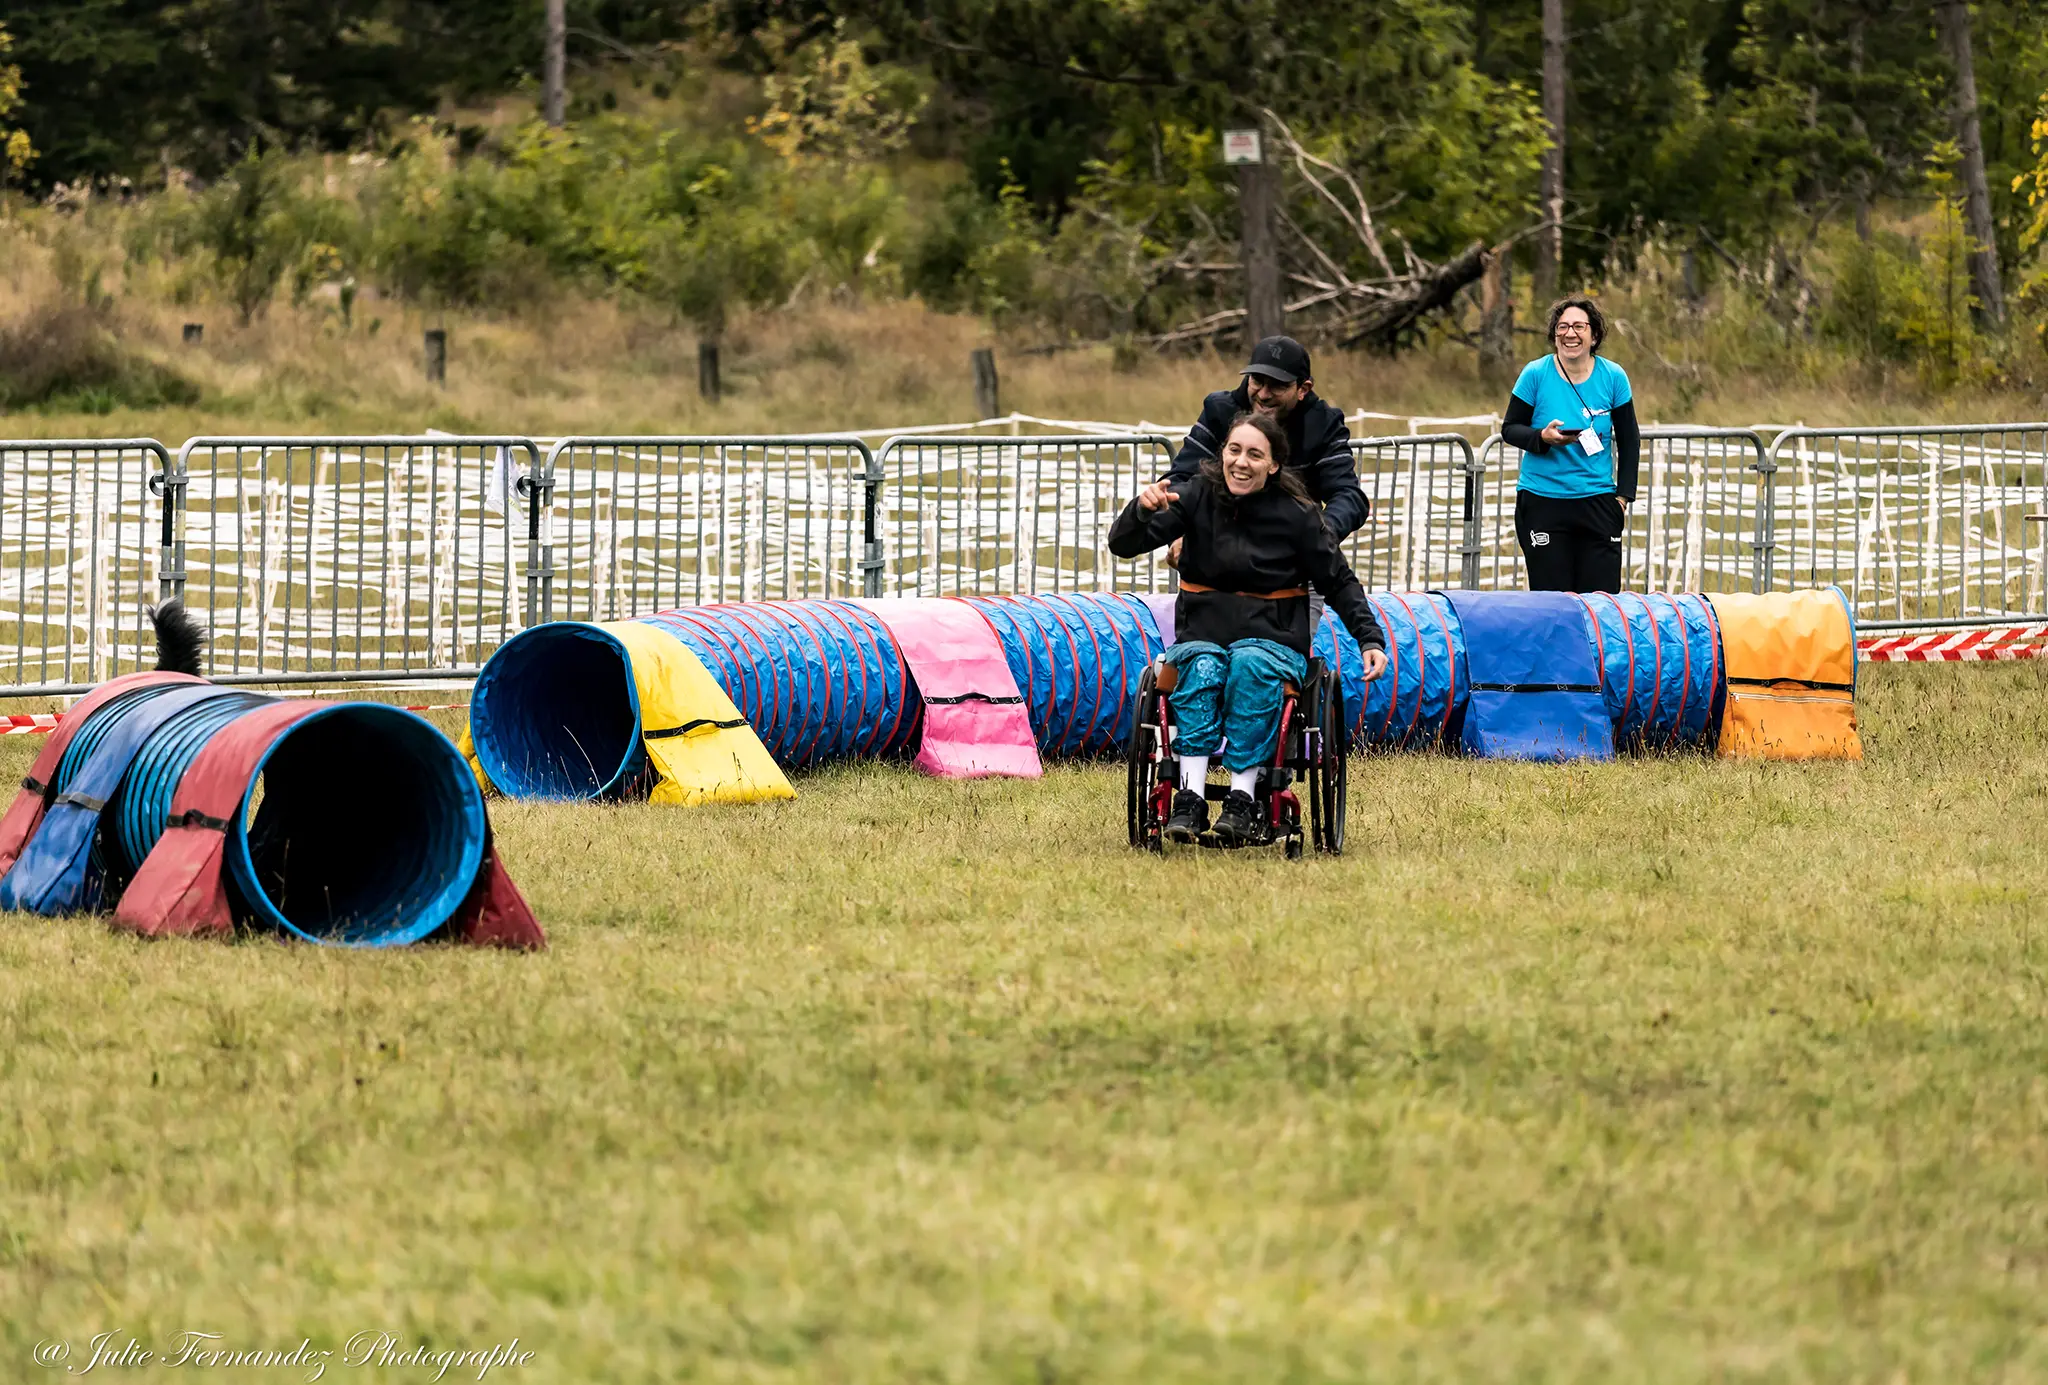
(354, 557)
(1424, 527)
(78, 521)
(1923, 527)
(638, 524)
(1019, 515)
(394, 557)
(1701, 520)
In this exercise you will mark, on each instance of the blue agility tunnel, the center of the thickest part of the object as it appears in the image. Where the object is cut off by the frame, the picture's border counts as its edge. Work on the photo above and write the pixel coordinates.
(1418, 700)
(1521, 675)
(368, 829)
(555, 714)
(817, 680)
(359, 825)
(1660, 668)
(1077, 659)
(556, 711)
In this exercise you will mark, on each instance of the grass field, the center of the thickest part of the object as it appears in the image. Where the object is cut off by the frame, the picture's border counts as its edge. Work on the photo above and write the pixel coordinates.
(1659, 1071)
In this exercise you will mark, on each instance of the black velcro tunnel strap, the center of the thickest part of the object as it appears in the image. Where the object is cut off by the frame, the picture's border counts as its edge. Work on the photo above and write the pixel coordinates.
(85, 801)
(1796, 682)
(967, 697)
(1536, 687)
(192, 817)
(35, 785)
(687, 727)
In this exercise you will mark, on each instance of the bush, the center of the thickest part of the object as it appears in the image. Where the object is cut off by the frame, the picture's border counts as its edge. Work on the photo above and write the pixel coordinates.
(264, 219)
(1893, 299)
(67, 358)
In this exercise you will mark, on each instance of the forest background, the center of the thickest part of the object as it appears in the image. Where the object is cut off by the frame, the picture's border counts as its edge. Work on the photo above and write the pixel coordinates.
(1772, 197)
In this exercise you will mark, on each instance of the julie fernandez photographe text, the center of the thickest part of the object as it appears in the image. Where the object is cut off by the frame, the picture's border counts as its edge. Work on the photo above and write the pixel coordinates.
(199, 1351)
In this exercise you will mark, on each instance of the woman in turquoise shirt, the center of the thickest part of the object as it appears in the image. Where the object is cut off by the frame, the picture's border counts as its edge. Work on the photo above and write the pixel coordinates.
(1578, 472)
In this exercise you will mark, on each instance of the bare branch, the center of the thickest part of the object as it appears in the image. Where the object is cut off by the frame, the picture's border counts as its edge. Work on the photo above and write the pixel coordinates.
(1358, 216)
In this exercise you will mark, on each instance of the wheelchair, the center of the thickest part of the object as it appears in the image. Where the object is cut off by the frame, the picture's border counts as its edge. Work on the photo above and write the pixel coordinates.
(1313, 749)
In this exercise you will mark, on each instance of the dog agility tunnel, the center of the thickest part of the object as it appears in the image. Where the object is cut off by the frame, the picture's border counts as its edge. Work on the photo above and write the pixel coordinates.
(355, 824)
(558, 712)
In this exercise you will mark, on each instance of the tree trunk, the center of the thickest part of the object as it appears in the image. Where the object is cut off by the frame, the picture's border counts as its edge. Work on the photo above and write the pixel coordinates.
(1861, 191)
(1497, 318)
(554, 65)
(1989, 309)
(1550, 244)
(1258, 200)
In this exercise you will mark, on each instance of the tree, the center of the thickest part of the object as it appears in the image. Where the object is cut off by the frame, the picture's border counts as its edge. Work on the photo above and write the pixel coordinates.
(1989, 307)
(1550, 245)
(120, 87)
(2009, 45)
(15, 149)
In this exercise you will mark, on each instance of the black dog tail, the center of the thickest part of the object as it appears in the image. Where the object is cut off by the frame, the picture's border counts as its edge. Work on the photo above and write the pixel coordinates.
(180, 639)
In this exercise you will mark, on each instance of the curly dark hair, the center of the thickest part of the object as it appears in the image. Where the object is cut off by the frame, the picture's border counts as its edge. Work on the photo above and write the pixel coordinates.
(1585, 305)
(1285, 477)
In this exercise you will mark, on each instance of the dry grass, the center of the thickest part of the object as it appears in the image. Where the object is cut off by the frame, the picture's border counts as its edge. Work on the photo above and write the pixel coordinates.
(1672, 1070)
(555, 365)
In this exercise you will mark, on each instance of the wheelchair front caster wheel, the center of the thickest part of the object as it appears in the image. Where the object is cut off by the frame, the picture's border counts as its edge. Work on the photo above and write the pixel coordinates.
(1293, 848)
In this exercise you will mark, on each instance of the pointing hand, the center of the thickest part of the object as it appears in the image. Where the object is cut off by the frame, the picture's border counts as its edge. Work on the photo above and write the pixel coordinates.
(1156, 496)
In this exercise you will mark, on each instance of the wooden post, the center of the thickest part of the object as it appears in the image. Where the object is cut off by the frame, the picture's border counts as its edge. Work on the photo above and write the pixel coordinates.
(707, 370)
(987, 400)
(554, 93)
(1258, 189)
(194, 332)
(1550, 242)
(437, 355)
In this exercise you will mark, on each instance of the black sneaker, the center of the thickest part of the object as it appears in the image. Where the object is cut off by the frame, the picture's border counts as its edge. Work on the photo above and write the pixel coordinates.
(1238, 823)
(1190, 816)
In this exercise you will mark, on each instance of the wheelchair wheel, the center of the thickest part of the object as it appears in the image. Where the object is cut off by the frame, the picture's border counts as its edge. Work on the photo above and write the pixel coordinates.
(1327, 794)
(1142, 759)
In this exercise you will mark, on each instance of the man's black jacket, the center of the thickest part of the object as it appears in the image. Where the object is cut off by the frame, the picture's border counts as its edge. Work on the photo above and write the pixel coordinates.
(1318, 446)
(1243, 549)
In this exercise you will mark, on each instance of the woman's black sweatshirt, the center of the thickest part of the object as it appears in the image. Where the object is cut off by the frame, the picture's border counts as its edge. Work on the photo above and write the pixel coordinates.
(1265, 542)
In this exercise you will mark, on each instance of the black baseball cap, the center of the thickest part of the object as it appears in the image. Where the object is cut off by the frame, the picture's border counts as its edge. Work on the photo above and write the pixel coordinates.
(1280, 358)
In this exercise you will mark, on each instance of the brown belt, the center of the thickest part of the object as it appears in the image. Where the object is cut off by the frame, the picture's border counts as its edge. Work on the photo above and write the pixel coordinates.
(1283, 594)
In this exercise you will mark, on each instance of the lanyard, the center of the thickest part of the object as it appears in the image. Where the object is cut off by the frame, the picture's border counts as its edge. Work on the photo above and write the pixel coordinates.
(1575, 389)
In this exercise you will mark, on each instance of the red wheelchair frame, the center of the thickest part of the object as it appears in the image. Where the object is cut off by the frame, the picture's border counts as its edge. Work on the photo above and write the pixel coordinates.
(1313, 747)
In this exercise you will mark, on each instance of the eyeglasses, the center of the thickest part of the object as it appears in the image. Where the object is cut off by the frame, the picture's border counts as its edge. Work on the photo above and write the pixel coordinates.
(1573, 329)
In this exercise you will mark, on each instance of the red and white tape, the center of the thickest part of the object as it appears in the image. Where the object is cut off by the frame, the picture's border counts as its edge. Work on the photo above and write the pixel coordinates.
(41, 723)
(1957, 646)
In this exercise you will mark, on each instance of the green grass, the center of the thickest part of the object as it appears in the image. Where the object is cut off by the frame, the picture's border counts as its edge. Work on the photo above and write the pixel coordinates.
(1661, 1071)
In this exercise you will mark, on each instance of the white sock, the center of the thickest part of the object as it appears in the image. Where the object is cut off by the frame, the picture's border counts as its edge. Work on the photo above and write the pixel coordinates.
(1244, 781)
(1194, 772)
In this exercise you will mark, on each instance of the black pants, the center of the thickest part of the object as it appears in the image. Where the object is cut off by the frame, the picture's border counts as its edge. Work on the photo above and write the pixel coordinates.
(1570, 545)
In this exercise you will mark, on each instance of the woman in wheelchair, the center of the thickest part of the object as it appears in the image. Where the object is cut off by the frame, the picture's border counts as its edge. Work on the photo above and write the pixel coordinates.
(1252, 545)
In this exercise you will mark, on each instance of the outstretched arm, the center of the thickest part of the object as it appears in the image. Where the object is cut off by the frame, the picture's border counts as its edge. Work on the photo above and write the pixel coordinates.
(1332, 576)
(1154, 518)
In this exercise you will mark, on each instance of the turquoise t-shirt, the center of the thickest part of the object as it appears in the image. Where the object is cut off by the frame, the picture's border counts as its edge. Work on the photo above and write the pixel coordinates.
(1566, 472)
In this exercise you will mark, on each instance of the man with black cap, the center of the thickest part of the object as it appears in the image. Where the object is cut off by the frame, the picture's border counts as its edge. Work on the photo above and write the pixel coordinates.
(1277, 383)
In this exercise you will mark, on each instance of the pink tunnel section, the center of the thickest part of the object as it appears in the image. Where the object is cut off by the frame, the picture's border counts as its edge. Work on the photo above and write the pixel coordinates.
(1162, 608)
(975, 724)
